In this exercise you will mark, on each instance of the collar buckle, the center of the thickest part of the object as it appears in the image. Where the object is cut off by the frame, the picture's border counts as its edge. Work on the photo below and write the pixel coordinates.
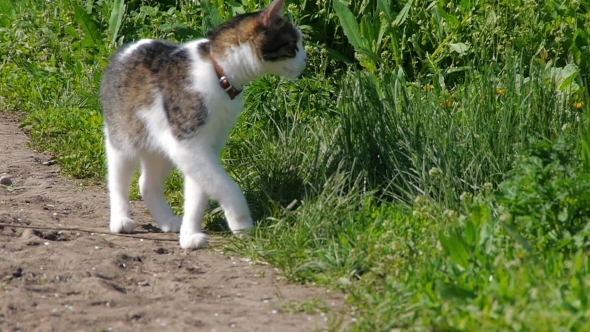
(231, 91)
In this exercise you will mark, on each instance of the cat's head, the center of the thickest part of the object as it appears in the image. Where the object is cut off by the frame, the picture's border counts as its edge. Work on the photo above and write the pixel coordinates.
(280, 43)
(274, 40)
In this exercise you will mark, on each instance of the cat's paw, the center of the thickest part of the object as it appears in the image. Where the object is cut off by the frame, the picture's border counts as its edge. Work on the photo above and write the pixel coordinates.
(242, 234)
(122, 225)
(171, 225)
(241, 226)
(193, 241)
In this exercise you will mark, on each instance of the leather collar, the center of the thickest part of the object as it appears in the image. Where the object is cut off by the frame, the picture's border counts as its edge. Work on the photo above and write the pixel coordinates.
(231, 91)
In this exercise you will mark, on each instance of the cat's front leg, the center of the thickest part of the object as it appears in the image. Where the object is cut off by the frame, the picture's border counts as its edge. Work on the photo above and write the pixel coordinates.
(195, 204)
(204, 177)
(226, 192)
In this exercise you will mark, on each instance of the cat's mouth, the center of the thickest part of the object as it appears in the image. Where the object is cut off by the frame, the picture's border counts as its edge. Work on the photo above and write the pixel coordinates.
(293, 73)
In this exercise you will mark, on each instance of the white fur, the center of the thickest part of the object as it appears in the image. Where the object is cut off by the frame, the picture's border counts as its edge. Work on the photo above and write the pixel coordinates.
(289, 68)
(196, 158)
(133, 47)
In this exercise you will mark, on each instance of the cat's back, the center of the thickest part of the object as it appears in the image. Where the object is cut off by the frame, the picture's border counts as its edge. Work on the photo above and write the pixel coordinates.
(157, 77)
(138, 67)
(137, 72)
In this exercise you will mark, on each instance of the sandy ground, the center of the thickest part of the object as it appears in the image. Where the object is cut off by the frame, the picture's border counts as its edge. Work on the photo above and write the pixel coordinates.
(89, 280)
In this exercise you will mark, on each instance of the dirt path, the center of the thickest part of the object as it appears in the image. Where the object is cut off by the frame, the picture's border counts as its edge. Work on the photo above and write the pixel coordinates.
(77, 280)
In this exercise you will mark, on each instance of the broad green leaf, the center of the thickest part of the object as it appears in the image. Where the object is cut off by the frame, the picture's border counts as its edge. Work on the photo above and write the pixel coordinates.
(93, 36)
(517, 237)
(563, 214)
(403, 14)
(211, 16)
(429, 290)
(184, 33)
(370, 54)
(384, 6)
(383, 28)
(79, 67)
(459, 47)
(457, 69)
(116, 19)
(333, 54)
(567, 75)
(465, 5)
(349, 25)
(458, 251)
(88, 42)
(236, 7)
(70, 30)
(451, 292)
(469, 232)
(450, 19)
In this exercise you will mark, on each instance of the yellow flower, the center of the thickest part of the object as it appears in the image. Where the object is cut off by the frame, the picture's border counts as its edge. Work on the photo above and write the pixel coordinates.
(578, 105)
(500, 91)
(428, 87)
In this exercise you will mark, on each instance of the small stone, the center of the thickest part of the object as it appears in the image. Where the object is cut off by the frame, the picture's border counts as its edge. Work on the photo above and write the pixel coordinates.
(5, 180)
(28, 234)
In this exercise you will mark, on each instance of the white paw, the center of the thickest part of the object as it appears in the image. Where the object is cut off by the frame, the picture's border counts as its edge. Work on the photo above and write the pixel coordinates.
(122, 225)
(171, 225)
(193, 241)
(240, 226)
(242, 233)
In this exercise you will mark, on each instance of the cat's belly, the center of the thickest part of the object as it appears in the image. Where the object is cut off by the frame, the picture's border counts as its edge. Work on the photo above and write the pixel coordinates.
(211, 135)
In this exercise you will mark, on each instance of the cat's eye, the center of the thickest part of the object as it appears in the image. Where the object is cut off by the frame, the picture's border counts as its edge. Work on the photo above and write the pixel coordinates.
(293, 45)
(290, 44)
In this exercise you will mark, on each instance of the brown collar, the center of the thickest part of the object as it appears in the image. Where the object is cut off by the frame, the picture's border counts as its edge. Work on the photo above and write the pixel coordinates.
(223, 82)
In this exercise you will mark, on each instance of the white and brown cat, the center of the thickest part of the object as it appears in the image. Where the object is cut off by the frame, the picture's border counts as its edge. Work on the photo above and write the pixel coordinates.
(168, 105)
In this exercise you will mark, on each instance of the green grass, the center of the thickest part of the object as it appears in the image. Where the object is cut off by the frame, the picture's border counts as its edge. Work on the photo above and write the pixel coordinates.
(435, 170)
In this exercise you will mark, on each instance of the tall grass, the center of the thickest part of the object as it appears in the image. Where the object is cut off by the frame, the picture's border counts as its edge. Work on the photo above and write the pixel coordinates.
(398, 138)
(440, 142)
(432, 163)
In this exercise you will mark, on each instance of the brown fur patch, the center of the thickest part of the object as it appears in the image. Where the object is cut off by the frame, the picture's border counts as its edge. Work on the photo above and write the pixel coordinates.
(132, 82)
(273, 43)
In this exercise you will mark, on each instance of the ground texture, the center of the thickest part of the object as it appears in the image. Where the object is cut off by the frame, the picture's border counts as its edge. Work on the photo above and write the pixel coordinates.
(61, 279)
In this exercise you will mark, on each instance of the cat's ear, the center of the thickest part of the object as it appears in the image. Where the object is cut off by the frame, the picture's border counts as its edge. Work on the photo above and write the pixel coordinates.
(272, 12)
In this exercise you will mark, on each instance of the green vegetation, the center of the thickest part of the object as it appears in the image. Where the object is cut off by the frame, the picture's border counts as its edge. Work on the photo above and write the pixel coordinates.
(433, 163)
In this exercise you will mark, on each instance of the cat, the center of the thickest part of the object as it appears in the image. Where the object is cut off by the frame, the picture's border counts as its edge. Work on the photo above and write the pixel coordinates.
(167, 104)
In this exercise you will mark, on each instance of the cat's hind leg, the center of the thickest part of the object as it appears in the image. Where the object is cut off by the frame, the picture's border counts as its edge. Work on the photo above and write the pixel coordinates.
(121, 167)
(154, 171)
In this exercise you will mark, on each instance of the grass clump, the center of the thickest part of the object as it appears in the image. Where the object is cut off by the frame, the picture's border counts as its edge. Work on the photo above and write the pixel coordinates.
(436, 172)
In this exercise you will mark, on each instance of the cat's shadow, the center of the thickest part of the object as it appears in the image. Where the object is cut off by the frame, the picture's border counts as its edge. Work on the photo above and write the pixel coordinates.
(274, 196)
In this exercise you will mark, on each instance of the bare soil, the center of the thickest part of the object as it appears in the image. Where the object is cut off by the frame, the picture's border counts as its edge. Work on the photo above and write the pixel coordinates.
(89, 280)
